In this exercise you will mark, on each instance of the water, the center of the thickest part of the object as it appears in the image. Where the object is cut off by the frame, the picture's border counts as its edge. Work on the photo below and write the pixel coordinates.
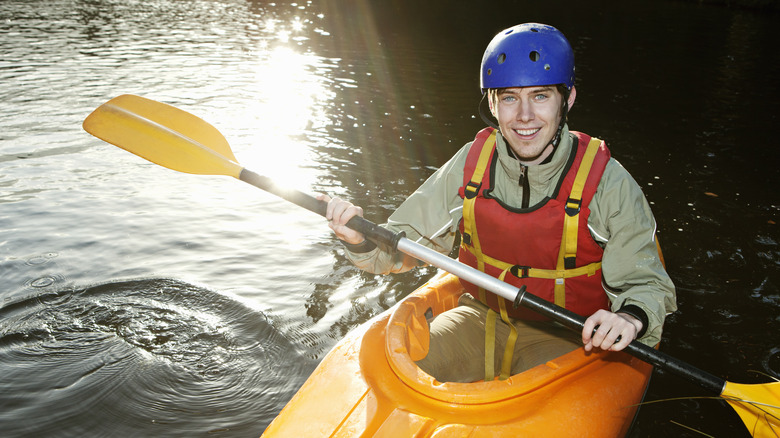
(140, 358)
(140, 301)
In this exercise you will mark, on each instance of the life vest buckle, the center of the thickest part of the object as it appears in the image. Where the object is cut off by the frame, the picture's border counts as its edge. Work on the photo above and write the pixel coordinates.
(520, 271)
(471, 189)
(573, 206)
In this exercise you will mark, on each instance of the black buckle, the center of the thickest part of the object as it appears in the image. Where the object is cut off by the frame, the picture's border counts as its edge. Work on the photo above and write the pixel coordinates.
(471, 189)
(520, 271)
(466, 238)
(570, 209)
(570, 262)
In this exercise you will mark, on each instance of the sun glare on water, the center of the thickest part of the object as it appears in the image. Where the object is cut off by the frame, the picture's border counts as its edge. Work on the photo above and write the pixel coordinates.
(289, 96)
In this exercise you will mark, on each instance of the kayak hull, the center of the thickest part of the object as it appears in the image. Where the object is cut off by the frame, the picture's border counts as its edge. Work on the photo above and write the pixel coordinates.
(369, 385)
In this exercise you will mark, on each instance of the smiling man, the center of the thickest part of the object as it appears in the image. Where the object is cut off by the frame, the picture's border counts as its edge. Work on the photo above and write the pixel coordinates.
(528, 117)
(536, 205)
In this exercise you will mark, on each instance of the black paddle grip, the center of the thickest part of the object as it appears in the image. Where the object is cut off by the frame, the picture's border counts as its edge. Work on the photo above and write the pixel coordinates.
(381, 236)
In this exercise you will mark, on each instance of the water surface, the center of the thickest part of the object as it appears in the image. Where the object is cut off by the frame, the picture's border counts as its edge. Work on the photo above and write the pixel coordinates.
(139, 299)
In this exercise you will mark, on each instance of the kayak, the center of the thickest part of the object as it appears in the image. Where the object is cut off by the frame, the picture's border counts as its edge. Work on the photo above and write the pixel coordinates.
(369, 386)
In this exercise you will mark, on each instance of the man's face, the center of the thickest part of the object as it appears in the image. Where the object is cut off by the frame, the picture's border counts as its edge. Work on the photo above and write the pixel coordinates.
(528, 118)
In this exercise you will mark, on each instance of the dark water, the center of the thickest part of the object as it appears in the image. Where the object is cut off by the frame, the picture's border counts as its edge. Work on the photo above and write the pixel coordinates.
(139, 301)
(140, 358)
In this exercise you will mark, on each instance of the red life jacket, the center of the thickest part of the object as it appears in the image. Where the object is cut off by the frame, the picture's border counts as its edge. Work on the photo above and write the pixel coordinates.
(546, 247)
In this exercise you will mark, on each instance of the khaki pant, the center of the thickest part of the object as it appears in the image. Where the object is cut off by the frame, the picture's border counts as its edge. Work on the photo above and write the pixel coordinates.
(457, 347)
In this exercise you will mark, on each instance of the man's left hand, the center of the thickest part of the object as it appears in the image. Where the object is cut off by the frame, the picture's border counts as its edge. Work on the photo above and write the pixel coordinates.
(609, 327)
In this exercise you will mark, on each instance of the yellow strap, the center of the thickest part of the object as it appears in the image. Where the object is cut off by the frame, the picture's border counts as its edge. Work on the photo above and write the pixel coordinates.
(575, 199)
(588, 270)
(490, 341)
(490, 345)
(470, 227)
(469, 222)
(568, 253)
(509, 349)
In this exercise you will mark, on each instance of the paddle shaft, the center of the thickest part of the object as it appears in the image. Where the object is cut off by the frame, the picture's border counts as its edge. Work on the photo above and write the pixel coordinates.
(377, 234)
(397, 241)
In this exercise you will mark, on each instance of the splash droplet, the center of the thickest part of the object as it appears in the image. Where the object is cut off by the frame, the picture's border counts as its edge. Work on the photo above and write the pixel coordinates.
(43, 282)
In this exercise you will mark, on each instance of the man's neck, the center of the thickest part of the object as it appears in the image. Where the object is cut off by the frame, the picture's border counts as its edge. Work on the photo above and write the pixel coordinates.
(543, 158)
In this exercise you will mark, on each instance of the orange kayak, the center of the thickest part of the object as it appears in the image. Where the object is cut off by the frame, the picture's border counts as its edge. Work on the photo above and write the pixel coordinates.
(369, 386)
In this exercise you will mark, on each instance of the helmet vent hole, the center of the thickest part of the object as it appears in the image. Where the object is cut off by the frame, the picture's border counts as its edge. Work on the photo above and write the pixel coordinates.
(502, 58)
(490, 71)
(534, 55)
(547, 66)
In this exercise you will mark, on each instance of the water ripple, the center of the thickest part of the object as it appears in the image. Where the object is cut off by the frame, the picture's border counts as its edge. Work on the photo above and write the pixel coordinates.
(141, 358)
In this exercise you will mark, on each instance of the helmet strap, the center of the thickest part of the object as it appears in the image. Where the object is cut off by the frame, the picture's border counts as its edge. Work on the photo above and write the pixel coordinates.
(564, 114)
(484, 112)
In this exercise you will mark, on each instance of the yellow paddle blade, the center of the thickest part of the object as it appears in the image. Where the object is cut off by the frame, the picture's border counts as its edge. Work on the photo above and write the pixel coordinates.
(758, 405)
(164, 135)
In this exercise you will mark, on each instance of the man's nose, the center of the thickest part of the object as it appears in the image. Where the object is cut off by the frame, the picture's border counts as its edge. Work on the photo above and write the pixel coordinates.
(525, 112)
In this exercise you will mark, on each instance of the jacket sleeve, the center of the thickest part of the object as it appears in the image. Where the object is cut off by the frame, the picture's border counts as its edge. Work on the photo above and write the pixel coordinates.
(429, 216)
(633, 272)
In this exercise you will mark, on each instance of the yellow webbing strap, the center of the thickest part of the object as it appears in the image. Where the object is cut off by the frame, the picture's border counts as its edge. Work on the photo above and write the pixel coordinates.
(490, 345)
(509, 349)
(589, 269)
(470, 192)
(490, 341)
(470, 227)
(568, 253)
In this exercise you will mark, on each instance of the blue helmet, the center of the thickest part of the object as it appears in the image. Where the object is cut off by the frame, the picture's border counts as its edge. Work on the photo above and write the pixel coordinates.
(527, 55)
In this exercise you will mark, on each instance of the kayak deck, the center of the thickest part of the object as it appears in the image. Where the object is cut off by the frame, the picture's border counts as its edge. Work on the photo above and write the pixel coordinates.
(369, 385)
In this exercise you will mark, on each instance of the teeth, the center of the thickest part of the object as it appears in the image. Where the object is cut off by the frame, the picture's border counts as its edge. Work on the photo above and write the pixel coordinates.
(526, 131)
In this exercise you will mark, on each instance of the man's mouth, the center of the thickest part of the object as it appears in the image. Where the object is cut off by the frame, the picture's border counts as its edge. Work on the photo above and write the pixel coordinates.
(526, 132)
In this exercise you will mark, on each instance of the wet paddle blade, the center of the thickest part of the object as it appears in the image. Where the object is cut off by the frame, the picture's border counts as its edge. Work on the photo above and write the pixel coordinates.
(758, 405)
(164, 135)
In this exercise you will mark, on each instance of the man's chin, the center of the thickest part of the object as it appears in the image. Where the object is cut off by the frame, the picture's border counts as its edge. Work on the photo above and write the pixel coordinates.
(535, 159)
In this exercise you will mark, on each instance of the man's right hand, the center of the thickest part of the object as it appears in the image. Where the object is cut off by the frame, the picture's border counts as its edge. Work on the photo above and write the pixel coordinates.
(338, 213)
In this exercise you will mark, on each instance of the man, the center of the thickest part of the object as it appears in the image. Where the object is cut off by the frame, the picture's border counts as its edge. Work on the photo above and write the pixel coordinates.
(535, 205)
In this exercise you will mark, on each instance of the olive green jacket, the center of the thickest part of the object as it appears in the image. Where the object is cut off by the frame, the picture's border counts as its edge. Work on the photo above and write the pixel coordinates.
(620, 221)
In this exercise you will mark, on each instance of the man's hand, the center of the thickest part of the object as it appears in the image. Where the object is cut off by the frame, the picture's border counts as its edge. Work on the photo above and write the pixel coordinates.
(338, 213)
(608, 328)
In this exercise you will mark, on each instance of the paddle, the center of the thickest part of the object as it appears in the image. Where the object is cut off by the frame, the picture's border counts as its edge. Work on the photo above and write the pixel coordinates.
(181, 141)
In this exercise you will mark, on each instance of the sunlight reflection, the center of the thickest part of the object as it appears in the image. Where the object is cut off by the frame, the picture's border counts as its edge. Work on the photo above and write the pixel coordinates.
(297, 25)
(291, 95)
(286, 100)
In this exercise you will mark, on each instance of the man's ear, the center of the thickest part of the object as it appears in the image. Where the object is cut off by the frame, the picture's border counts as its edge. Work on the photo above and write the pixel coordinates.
(572, 96)
(491, 96)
